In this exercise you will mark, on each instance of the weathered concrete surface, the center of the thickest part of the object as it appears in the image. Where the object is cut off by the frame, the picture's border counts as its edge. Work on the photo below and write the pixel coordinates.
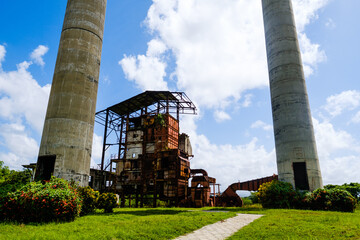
(69, 122)
(293, 129)
(221, 230)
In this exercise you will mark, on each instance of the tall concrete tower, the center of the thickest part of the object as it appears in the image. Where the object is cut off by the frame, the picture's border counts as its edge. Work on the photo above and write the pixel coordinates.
(296, 153)
(66, 142)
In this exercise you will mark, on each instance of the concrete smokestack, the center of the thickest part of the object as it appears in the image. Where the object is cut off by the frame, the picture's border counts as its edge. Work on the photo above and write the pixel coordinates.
(296, 153)
(65, 149)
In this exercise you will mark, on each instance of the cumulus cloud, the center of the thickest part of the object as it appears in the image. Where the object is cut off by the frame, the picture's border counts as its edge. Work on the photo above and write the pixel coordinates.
(221, 116)
(311, 54)
(23, 104)
(228, 163)
(262, 125)
(219, 52)
(231, 163)
(344, 101)
(22, 96)
(339, 153)
(330, 140)
(38, 53)
(147, 71)
(306, 11)
(22, 148)
(217, 49)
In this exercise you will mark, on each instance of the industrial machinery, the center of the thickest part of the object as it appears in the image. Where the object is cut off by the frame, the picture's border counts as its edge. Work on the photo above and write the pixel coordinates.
(153, 158)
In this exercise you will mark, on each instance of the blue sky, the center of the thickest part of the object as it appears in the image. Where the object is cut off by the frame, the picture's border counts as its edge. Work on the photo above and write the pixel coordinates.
(215, 52)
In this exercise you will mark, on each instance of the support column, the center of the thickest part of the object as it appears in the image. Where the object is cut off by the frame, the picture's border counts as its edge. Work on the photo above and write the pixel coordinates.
(293, 128)
(69, 123)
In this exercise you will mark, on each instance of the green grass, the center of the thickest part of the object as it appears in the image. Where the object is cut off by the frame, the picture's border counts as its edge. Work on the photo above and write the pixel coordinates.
(122, 224)
(300, 224)
(168, 223)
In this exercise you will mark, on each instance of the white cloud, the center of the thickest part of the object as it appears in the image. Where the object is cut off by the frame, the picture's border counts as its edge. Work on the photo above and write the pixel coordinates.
(38, 53)
(262, 125)
(22, 96)
(22, 99)
(311, 54)
(221, 116)
(155, 48)
(228, 163)
(306, 11)
(22, 148)
(148, 71)
(219, 52)
(219, 45)
(329, 140)
(231, 163)
(339, 153)
(340, 170)
(346, 100)
(210, 41)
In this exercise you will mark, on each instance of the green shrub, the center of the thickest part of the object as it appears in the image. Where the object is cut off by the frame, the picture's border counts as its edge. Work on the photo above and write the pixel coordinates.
(331, 200)
(55, 200)
(89, 199)
(246, 200)
(254, 197)
(352, 188)
(107, 201)
(276, 194)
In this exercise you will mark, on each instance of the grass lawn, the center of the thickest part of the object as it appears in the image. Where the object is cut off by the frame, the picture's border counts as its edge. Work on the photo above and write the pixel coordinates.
(165, 223)
(168, 223)
(300, 224)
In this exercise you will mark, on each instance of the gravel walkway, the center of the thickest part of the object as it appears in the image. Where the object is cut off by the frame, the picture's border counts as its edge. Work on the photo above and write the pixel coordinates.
(222, 229)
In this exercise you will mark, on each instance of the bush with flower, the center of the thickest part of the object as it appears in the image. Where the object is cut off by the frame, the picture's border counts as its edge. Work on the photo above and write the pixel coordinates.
(55, 200)
(89, 199)
(331, 200)
(107, 201)
(277, 194)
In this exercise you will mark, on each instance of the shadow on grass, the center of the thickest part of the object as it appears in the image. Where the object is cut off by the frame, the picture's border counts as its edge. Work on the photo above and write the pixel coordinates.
(143, 212)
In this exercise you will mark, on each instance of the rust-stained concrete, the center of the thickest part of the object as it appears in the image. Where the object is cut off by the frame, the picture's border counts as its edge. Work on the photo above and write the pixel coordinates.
(69, 122)
(293, 129)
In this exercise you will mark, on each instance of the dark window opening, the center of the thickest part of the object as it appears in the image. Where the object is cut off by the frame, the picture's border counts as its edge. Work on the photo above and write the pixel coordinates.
(45, 167)
(300, 176)
(197, 194)
(165, 162)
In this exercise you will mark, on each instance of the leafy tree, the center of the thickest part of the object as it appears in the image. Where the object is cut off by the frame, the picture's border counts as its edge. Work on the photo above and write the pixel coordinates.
(4, 171)
(11, 180)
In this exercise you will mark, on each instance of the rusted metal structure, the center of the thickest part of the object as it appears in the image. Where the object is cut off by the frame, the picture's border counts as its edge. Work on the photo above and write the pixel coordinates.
(152, 159)
(229, 198)
(201, 186)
